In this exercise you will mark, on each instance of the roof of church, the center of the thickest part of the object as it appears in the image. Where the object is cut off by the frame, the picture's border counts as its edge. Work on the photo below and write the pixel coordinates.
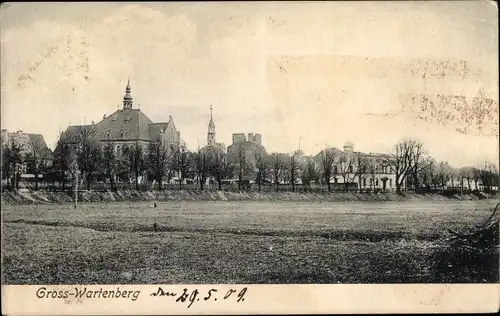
(134, 125)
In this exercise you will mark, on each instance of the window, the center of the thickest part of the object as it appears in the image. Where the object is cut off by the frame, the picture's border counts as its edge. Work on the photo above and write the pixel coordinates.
(122, 134)
(390, 182)
(118, 150)
(108, 135)
(376, 182)
(335, 179)
(350, 169)
(335, 169)
(364, 182)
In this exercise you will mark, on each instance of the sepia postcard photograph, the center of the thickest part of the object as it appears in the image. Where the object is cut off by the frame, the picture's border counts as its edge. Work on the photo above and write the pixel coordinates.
(249, 157)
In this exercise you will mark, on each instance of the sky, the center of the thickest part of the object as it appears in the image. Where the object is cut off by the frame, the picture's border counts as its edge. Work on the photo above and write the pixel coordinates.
(319, 74)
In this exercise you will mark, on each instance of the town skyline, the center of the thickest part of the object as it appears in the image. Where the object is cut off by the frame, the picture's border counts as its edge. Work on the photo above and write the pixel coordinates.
(65, 72)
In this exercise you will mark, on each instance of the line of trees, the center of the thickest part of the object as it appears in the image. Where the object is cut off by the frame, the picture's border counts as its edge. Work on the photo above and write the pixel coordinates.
(407, 162)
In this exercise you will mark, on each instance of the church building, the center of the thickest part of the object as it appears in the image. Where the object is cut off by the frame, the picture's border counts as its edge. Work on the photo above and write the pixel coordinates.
(128, 127)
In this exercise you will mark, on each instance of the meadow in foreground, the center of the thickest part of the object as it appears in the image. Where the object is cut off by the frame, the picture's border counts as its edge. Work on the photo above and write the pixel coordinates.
(239, 242)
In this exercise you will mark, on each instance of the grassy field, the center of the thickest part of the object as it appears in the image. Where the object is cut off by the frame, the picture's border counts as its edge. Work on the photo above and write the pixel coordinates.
(239, 242)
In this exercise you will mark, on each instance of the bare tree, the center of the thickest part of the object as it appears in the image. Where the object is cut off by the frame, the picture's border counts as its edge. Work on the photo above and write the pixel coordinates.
(372, 166)
(476, 175)
(219, 165)
(328, 159)
(360, 168)
(489, 176)
(159, 158)
(443, 174)
(109, 163)
(293, 170)
(310, 172)
(182, 163)
(11, 159)
(262, 167)
(277, 168)
(36, 158)
(62, 158)
(202, 165)
(346, 169)
(405, 157)
(136, 162)
(465, 173)
(88, 153)
(417, 161)
(241, 164)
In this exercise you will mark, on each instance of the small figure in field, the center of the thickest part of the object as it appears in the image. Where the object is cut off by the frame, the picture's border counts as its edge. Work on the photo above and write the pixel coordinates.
(155, 227)
(154, 205)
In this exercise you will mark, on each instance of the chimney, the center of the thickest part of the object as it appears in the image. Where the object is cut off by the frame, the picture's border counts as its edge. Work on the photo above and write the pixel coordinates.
(104, 116)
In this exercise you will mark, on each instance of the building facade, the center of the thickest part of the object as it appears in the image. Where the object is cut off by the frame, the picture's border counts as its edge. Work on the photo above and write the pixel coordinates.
(361, 171)
(129, 127)
(29, 145)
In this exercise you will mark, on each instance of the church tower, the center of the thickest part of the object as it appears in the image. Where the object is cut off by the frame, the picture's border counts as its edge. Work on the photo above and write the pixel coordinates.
(211, 130)
(127, 99)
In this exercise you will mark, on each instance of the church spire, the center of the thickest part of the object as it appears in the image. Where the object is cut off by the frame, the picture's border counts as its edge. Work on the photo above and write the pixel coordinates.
(127, 99)
(211, 130)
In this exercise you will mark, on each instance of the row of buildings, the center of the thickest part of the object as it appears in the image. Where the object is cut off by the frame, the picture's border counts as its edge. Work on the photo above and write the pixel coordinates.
(129, 127)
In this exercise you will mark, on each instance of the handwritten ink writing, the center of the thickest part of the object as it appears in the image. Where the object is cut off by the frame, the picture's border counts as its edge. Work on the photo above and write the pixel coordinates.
(160, 292)
(210, 294)
(241, 294)
(231, 291)
(192, 296)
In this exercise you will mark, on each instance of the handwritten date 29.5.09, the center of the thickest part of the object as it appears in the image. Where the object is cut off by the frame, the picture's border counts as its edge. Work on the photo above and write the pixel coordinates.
(213, 295)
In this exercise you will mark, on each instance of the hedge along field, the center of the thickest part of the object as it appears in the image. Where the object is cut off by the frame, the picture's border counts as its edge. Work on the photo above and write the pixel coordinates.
(237, 242)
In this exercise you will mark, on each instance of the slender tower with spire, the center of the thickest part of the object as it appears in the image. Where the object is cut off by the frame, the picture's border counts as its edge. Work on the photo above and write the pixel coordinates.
(211, 130)
(127, 99)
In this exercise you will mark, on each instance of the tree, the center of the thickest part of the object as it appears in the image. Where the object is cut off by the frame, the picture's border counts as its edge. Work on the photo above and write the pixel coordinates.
(182, 163)
(11, 160)
(360, 167)
(417, 162)
(372, 170)
(202, 165)
(241, 164)
(328, 158)
(346, 169)
(476, 175)
(36, 158)
(310, 172)
(405, 158)
(88, 153)
(159, 158)
(136, 162)
(219, 165)
(262, 167)
(277, 168)
(443, 173)
(63, 158)
(293, 170)
(109, 163)
(489, 176)
(465, 173)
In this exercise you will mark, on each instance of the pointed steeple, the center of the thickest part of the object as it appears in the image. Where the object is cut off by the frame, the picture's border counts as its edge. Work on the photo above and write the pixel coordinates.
(127, 99)
(211, 130)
